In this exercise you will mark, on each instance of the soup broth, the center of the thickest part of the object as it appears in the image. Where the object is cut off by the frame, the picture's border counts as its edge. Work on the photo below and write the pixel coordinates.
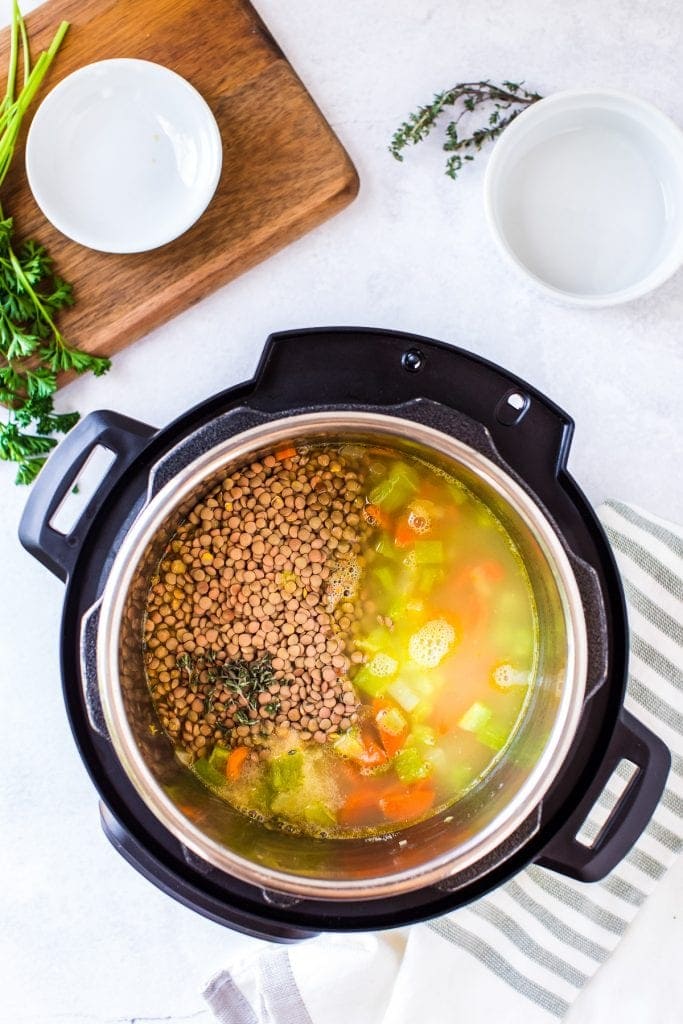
(340, 639)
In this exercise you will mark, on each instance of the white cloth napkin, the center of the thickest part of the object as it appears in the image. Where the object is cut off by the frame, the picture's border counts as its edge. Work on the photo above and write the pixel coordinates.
(540, 937)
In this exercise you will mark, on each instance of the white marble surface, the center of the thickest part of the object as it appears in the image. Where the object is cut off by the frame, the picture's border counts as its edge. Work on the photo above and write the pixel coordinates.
(83, 937)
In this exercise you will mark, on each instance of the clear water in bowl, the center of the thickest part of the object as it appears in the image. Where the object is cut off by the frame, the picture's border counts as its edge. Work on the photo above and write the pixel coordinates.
(588, 208)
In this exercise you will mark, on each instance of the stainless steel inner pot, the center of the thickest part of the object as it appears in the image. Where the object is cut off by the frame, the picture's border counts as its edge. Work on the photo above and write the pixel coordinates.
(445, 847)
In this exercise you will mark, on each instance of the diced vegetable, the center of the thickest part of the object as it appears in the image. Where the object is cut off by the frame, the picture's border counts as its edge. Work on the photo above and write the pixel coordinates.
(391, 723)
(208, 774)
(424, 734)
(428, 552)
(286, 771)
(374, 515)
(476, 717)
(319, 814)
(235, 763)
(411, 766)
(493, 734)
(377, 640)
(373, 755)
(404, 533)
(285, 453)
(403, 695)
(358, 807)
(389, 719)
(395, 490)
(371, 684)
(350, 744)
(374, 677)
(460, 777)
(406, 804)
(385, 577)
(385, 546)
(437, 759)
(218, 758)
(361, 749)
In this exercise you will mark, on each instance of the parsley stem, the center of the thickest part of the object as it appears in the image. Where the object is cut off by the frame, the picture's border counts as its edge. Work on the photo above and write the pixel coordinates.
(32, 348)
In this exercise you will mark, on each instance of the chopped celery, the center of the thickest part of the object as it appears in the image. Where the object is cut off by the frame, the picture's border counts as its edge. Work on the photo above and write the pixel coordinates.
(460, 777)
(370, 682)
(476, 717)
(404, 695)
(405, 472)
(438, 760)
(428, 552)
(411, 766)
(391, 720)
(493, 734)
(396, 489)
(286, 771)
(218, 758)
(421, 711)
(286, 804)
(208, 774)
(350, 744)
(424, 734)
(377, 640)
(318, 814)
(384, 576)
(385, 546)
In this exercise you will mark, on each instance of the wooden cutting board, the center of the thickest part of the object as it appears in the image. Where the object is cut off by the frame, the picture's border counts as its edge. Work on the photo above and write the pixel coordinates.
(284, 171)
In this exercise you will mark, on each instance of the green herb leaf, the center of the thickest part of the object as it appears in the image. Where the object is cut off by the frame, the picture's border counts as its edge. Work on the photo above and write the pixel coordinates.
(508, 101)
(32, 348)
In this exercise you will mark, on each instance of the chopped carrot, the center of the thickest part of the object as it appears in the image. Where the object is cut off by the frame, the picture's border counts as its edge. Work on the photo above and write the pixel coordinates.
(489, 570)
(407, 803)
(404, 533)
(373, 756)
(285, 453)
(373, 515)
(357, 807)
(190, 812)
(233, 766)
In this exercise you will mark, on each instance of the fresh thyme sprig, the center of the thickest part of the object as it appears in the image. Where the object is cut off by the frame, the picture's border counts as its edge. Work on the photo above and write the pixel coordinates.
(244, 678)
(504, 102)
(32, 348)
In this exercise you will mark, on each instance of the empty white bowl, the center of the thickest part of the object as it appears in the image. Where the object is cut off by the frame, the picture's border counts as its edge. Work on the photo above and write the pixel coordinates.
(584, 195)
(123, 155)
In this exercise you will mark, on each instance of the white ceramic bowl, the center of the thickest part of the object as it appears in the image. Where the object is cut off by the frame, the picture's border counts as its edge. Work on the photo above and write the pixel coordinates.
(584, 195)
(123, 155)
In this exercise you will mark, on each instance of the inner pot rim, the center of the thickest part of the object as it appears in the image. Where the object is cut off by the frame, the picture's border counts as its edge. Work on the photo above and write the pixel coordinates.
(237, 449)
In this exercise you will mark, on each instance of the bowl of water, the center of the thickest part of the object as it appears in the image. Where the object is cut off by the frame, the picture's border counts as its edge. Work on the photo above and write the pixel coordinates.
(584, 196)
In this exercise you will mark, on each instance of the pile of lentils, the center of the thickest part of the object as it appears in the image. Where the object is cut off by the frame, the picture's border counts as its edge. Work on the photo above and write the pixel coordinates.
(248, 625)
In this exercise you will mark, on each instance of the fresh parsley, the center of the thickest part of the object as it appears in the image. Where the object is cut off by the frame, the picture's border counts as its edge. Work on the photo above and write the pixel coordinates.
(32, 348)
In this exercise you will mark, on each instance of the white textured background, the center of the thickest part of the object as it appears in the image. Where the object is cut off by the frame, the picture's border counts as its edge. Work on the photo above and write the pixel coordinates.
(82, 937)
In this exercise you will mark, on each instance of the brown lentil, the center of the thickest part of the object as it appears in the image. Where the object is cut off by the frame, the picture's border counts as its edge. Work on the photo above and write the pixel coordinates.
(260, 567)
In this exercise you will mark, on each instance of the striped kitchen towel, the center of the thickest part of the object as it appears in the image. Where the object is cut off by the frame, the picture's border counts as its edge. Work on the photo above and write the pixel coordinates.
(541, 937)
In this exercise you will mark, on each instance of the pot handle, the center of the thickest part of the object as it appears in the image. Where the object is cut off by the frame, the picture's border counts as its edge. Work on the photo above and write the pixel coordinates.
(122, 436)
(633, 742)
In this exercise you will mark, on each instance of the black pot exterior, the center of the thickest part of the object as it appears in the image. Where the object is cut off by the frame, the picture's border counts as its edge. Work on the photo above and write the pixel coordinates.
(342, 369)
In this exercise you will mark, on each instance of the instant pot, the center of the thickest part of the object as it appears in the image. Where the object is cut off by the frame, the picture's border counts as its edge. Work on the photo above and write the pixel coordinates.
(510, 445)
